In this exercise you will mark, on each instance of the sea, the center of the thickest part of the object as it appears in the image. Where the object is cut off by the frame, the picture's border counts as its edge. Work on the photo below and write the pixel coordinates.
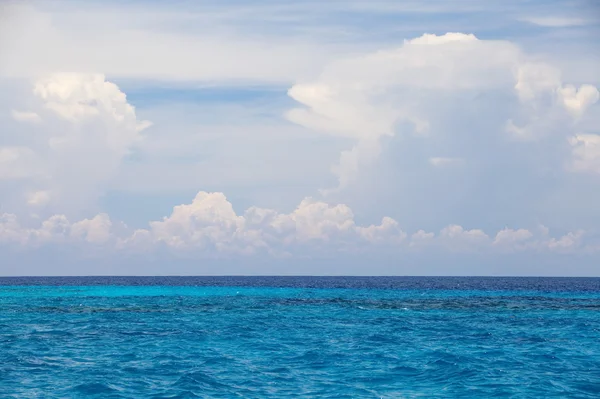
(299, 337)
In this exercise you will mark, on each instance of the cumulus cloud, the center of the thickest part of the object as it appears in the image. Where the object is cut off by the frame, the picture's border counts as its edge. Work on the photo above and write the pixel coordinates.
(543, 97)
(421, 238)
(522, 239)
(577, 101)
(536, 79)
(86, 128)
(368, 97)
(510, 236)
(94, 230)
(208, 226)
(457, 238)
(55, 230)
(210, 223)
(567, 243)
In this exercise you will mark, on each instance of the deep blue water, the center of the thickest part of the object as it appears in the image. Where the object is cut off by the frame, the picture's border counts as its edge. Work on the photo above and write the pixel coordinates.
(309, 337)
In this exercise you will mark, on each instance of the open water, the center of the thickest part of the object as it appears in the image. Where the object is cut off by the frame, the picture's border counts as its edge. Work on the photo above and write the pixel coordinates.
(301, 337)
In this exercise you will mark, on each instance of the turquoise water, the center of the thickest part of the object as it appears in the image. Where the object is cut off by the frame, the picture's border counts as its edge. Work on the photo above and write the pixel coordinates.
(309, 338)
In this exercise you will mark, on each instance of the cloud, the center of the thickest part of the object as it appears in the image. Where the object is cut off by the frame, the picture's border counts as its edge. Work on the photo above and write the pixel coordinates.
(523, 239)
(508, 236)
(24, 116)
(421, 238)
(456, 238)
(18, 163)
(187, 45)
(95, 230)
(78, 98)
(57, 230)
(202, 41)
(567, 243)
(39, 198)
(430, 39)
(209, 223)
(578, 101)
(88, 128)
(407, 91)
(556, 21)
(209, 227)
(536, 79)
(585, 153)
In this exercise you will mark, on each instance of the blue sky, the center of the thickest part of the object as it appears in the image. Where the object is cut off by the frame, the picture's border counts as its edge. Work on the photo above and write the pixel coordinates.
(269, 137)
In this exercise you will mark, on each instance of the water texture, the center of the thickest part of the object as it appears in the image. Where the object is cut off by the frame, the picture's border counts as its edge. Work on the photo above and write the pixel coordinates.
(305, 337)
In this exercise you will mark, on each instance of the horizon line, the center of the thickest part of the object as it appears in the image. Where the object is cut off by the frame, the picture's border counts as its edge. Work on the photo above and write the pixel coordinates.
(291, 275)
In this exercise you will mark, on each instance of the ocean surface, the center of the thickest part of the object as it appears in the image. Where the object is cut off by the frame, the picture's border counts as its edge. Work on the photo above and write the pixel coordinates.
(301, 337)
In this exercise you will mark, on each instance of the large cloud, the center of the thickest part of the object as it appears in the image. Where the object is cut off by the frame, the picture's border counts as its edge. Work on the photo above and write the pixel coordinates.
(417, 88)
(83, 128)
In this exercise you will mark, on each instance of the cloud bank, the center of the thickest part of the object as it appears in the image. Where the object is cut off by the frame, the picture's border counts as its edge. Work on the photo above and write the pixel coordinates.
(209, 227)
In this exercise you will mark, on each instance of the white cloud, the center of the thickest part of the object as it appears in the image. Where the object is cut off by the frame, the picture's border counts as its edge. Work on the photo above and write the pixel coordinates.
(567, 243)
(25, 116)
(556, 21)
(209, 223)
(578, 101)
(87, 130)
(535, 79)
(39, 198)
(431, 39)
(421, 238)
(95, 230)
(81, 97)
(523, 239)
(56, 230)
(196, 41)
(513, 239)
(586, 153)
(456, 238)
(37, 40)
(209, 227)
(387, 231)
(374, 95)
(18, 163)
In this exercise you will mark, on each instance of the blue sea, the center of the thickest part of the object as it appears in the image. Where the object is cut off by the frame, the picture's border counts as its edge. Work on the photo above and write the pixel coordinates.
(299, 337)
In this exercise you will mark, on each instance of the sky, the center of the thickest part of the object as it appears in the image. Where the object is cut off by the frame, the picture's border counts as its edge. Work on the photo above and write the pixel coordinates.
(300, 137)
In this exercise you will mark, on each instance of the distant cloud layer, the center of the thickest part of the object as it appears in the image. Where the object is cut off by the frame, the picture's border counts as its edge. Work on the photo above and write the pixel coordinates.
(209, 227)
(556, 22)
